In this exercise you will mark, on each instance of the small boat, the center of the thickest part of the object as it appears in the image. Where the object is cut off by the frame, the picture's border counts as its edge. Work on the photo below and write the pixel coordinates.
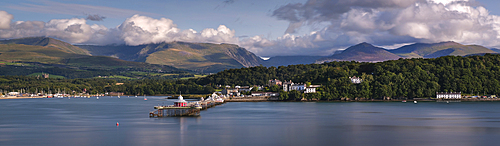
(415, 102)
(97, 98)
(447, 102)
(145, 97)
(404, 101)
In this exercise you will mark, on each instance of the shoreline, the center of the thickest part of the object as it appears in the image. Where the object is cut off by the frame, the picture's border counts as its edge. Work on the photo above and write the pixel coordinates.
(19, 97)
(275, 99)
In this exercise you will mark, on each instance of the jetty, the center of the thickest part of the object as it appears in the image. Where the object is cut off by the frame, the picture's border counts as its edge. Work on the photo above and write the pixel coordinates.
(183, 108)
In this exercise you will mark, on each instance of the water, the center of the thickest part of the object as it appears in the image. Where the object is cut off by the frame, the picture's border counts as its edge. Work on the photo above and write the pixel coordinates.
(80, 121)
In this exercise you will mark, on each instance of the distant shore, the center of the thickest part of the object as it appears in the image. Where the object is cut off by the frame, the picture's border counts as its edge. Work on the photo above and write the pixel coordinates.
(14, 97)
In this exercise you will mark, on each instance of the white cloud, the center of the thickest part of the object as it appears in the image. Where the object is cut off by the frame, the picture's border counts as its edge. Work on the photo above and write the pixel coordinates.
(138, 30)
(382, 22)
(135, 30)
(5, 20)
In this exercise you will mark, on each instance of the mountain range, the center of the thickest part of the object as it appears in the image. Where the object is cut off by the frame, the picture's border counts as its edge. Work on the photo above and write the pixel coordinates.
(365, 52)
(53, 52)
(201, 57)
(205, 57)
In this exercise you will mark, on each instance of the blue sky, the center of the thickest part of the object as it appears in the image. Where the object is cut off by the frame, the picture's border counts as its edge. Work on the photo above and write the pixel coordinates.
(267, 28)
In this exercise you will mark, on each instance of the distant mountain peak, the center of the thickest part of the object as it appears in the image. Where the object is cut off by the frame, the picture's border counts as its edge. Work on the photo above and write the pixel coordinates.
(364, 44)
(363, 52)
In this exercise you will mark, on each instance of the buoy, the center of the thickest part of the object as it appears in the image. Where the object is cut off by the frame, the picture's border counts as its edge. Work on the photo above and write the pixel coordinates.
(415, 102)
(117, 124)
(145, 99)
(97, 97)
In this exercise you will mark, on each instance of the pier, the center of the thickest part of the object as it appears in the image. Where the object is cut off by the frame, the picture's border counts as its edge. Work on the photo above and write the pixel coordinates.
(182, 108)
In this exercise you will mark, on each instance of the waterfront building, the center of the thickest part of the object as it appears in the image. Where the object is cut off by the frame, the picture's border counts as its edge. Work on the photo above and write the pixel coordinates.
(180, 102)
(446, 95)
(300, 87)
(245, 89)
(289, 86)
(260, 93)
(231, 92)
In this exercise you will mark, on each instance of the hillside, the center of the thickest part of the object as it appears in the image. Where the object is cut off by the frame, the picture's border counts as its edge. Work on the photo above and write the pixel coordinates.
(363, 52)
(202, 57)
(47, 42)
(17, 58)
(496, 50)
(290, 60)
(423, 50)
(28, 53)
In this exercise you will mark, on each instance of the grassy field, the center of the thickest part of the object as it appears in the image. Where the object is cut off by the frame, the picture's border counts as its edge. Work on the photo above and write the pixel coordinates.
(195, 76)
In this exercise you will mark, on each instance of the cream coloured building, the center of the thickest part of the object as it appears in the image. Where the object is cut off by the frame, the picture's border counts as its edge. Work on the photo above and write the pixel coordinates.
(446, 95)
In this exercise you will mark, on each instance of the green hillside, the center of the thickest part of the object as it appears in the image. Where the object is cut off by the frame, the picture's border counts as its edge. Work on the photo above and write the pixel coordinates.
(47, 42)
(21, 59)
(201, 57)
(27, 53)
(423, 50)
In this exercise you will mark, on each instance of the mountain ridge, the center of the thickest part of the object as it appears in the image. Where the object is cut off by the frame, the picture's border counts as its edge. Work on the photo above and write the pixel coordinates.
(202, 57)
(363, 52)
(47, 42)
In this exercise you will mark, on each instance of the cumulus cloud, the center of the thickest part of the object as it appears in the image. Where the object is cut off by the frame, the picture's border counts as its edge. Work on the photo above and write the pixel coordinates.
(5, 20)
(382, 22)
(138, 30)
(135, 30)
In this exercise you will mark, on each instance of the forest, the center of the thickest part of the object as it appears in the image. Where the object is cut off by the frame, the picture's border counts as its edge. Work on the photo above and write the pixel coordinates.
(403, 78)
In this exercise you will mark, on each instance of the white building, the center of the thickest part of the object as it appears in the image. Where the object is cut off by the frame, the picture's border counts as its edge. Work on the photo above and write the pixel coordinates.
(245, 89)
(446, 95)
(289, 86)
(356, 80)
(300, 87)
(13, 93)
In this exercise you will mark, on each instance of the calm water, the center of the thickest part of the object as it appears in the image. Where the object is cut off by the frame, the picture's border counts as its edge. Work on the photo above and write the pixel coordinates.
(80, 121)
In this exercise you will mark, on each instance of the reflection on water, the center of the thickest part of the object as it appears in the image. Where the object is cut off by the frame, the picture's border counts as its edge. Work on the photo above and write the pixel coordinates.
(81, 121)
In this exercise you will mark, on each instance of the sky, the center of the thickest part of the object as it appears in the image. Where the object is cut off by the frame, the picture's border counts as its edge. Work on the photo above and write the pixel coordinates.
(266, 28)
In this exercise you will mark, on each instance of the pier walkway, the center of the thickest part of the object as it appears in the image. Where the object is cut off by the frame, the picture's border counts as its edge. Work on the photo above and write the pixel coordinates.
(183, 108)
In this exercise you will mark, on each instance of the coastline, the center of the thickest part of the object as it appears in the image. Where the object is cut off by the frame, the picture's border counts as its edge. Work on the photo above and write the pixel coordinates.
(19, 97)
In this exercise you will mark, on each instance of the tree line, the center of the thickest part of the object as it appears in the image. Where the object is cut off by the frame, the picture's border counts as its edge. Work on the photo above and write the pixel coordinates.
(403, 78)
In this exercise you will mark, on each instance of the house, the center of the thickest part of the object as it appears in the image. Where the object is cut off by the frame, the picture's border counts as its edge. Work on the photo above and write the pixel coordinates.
(260, 93)
(231, 92)
(446, 95)
(245, 89)
(289, 86)
(356, 80)
(275, 82)
(13, 93)
(115, 93)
